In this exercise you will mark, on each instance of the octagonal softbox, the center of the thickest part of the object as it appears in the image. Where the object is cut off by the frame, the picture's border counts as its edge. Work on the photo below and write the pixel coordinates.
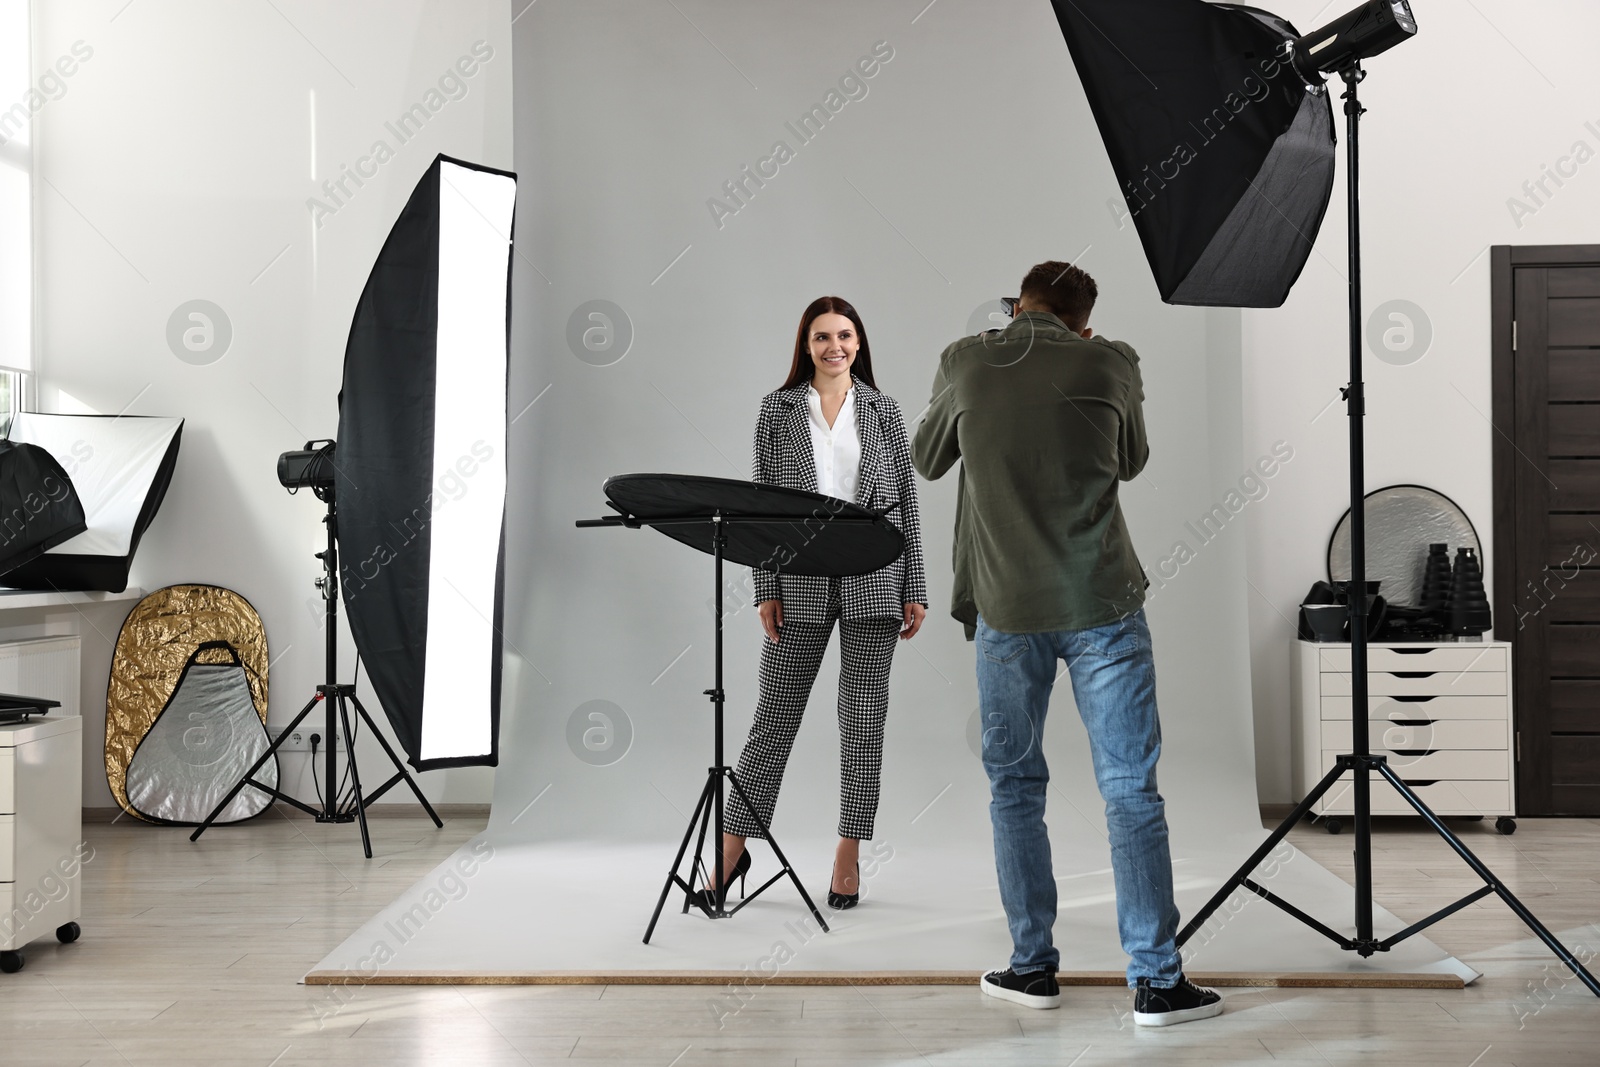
(420, 473)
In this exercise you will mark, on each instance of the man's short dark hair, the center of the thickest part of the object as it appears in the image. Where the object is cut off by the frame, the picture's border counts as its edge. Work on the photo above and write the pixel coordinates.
(1065, 291)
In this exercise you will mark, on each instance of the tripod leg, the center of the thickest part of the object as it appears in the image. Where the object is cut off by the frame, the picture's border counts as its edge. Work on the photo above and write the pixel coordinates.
(677, 861)
(1239, 876)
(696, 863)
(1482, 871)
(776, 851)
(245, 780)
(355, 776)
(384, 741)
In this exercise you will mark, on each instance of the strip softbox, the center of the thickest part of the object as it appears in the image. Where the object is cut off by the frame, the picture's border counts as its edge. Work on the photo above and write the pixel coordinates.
(420, 474)
(1223, 154)
(120, 466)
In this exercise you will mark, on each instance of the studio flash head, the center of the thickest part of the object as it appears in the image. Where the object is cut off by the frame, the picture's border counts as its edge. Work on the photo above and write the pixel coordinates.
(1374, 27)
(309, 468)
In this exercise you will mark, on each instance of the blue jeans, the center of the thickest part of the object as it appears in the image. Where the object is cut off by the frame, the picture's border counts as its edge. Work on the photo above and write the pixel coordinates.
(1114, 684)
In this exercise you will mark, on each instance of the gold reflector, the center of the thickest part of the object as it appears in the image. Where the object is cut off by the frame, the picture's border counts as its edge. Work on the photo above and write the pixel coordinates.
(157, 639)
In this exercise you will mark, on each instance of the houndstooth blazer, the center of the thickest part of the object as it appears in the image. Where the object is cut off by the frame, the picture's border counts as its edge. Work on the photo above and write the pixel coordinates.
(783, 455)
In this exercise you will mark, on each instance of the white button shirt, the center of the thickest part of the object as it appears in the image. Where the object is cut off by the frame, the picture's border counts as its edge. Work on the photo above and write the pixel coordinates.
(837, 448)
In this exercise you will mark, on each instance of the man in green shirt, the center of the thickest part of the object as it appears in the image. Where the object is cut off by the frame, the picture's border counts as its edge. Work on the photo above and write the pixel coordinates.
(1047, 420)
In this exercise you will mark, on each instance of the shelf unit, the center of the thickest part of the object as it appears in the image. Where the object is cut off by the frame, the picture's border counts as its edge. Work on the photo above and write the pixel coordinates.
(1440, 711)
(42, 851)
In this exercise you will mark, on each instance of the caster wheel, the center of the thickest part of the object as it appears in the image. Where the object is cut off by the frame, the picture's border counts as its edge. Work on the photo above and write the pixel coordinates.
(10, 962)
(68, 934)
(1506, 825)
(1335, 826)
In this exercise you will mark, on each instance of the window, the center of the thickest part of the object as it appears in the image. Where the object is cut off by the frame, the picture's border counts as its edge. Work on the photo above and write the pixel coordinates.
(17, 105)
(10, 399)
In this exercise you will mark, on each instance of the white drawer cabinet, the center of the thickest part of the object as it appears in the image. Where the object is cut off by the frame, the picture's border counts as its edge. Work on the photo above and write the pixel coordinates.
(1441, 713)
(41, 832)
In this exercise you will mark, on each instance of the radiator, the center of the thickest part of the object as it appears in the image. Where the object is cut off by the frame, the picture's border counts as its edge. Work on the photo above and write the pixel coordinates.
(44, 667)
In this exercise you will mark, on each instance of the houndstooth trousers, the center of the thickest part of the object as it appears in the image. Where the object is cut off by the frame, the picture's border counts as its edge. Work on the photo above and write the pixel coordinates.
(788, 669)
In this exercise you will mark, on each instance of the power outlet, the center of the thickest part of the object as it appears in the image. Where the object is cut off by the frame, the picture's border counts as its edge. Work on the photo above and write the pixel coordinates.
(300, 739)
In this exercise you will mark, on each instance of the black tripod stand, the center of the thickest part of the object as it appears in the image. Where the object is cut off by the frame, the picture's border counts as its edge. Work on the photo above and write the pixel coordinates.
(708, 809)
(758, 525)
(336, 698)
(1362, 761)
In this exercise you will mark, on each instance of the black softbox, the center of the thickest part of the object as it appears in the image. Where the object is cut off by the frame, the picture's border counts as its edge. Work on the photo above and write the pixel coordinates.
(420, 473)
(120, 466)
(1224, 155)
(39, 508)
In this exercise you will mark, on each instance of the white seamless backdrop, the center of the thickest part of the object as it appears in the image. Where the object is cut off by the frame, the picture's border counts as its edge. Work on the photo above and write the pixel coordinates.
(649, 322)
(968, 156)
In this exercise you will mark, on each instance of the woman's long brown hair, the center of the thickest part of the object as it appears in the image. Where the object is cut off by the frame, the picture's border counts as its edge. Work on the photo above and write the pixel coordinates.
(802, 369)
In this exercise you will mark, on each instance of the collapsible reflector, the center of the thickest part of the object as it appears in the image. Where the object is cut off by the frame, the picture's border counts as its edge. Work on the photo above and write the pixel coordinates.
(1224, 156)
(202, 742)
(420, 473)
(120, 466)
(180, 730)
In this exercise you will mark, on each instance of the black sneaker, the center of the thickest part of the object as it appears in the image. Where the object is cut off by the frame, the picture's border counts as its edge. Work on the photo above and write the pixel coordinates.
(1184, 1002)
(1036, 989)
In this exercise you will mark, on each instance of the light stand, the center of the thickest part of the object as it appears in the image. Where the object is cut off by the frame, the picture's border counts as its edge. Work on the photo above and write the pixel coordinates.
(708, 810)
(1361, 760)
(707, 814)
(336, 698)
(771, 528)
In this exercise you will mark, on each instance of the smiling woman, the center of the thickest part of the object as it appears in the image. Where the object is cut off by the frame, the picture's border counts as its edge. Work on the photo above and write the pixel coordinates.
(829, 430)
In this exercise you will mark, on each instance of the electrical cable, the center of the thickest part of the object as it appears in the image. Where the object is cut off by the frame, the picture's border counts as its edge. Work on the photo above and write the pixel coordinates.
(347, 793)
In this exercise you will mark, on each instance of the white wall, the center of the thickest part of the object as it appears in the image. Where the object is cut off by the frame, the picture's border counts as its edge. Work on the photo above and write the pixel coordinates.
(1458, 119)
(177, 163)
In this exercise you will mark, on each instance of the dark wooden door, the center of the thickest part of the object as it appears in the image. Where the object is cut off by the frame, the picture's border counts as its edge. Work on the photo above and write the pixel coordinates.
(1547, 517)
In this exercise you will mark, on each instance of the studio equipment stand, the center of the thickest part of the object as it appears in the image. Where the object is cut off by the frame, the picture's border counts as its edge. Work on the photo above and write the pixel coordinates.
(770, 528)
(1361, 760)
(336, 699)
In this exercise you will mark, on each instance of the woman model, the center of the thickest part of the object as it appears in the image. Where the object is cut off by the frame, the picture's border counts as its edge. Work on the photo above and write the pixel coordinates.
(829, 430)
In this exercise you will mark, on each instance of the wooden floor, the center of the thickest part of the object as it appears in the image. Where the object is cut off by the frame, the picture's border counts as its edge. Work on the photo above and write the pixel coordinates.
(191, 954)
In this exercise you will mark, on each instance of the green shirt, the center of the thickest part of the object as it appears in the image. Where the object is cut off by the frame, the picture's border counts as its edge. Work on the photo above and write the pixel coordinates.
(1046, 424)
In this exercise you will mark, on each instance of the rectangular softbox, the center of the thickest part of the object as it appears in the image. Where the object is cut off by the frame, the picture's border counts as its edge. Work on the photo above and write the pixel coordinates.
(420, 473)
(120, 466)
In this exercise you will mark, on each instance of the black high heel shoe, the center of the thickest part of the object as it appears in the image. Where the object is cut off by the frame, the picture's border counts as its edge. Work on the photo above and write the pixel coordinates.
(706, 899)
(844, 901)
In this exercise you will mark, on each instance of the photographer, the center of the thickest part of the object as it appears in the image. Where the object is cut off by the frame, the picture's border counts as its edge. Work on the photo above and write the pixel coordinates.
(1048, 419)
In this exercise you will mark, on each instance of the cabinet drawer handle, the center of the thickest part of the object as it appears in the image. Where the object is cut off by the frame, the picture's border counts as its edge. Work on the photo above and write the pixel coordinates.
(1419, 783)
(1408, 752)
(1413, 699)
(1409, 722)
(1411, 651)
(1414, 674)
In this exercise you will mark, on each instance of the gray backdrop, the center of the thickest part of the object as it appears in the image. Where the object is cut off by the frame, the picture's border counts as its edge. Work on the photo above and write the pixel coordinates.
(967, 157)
